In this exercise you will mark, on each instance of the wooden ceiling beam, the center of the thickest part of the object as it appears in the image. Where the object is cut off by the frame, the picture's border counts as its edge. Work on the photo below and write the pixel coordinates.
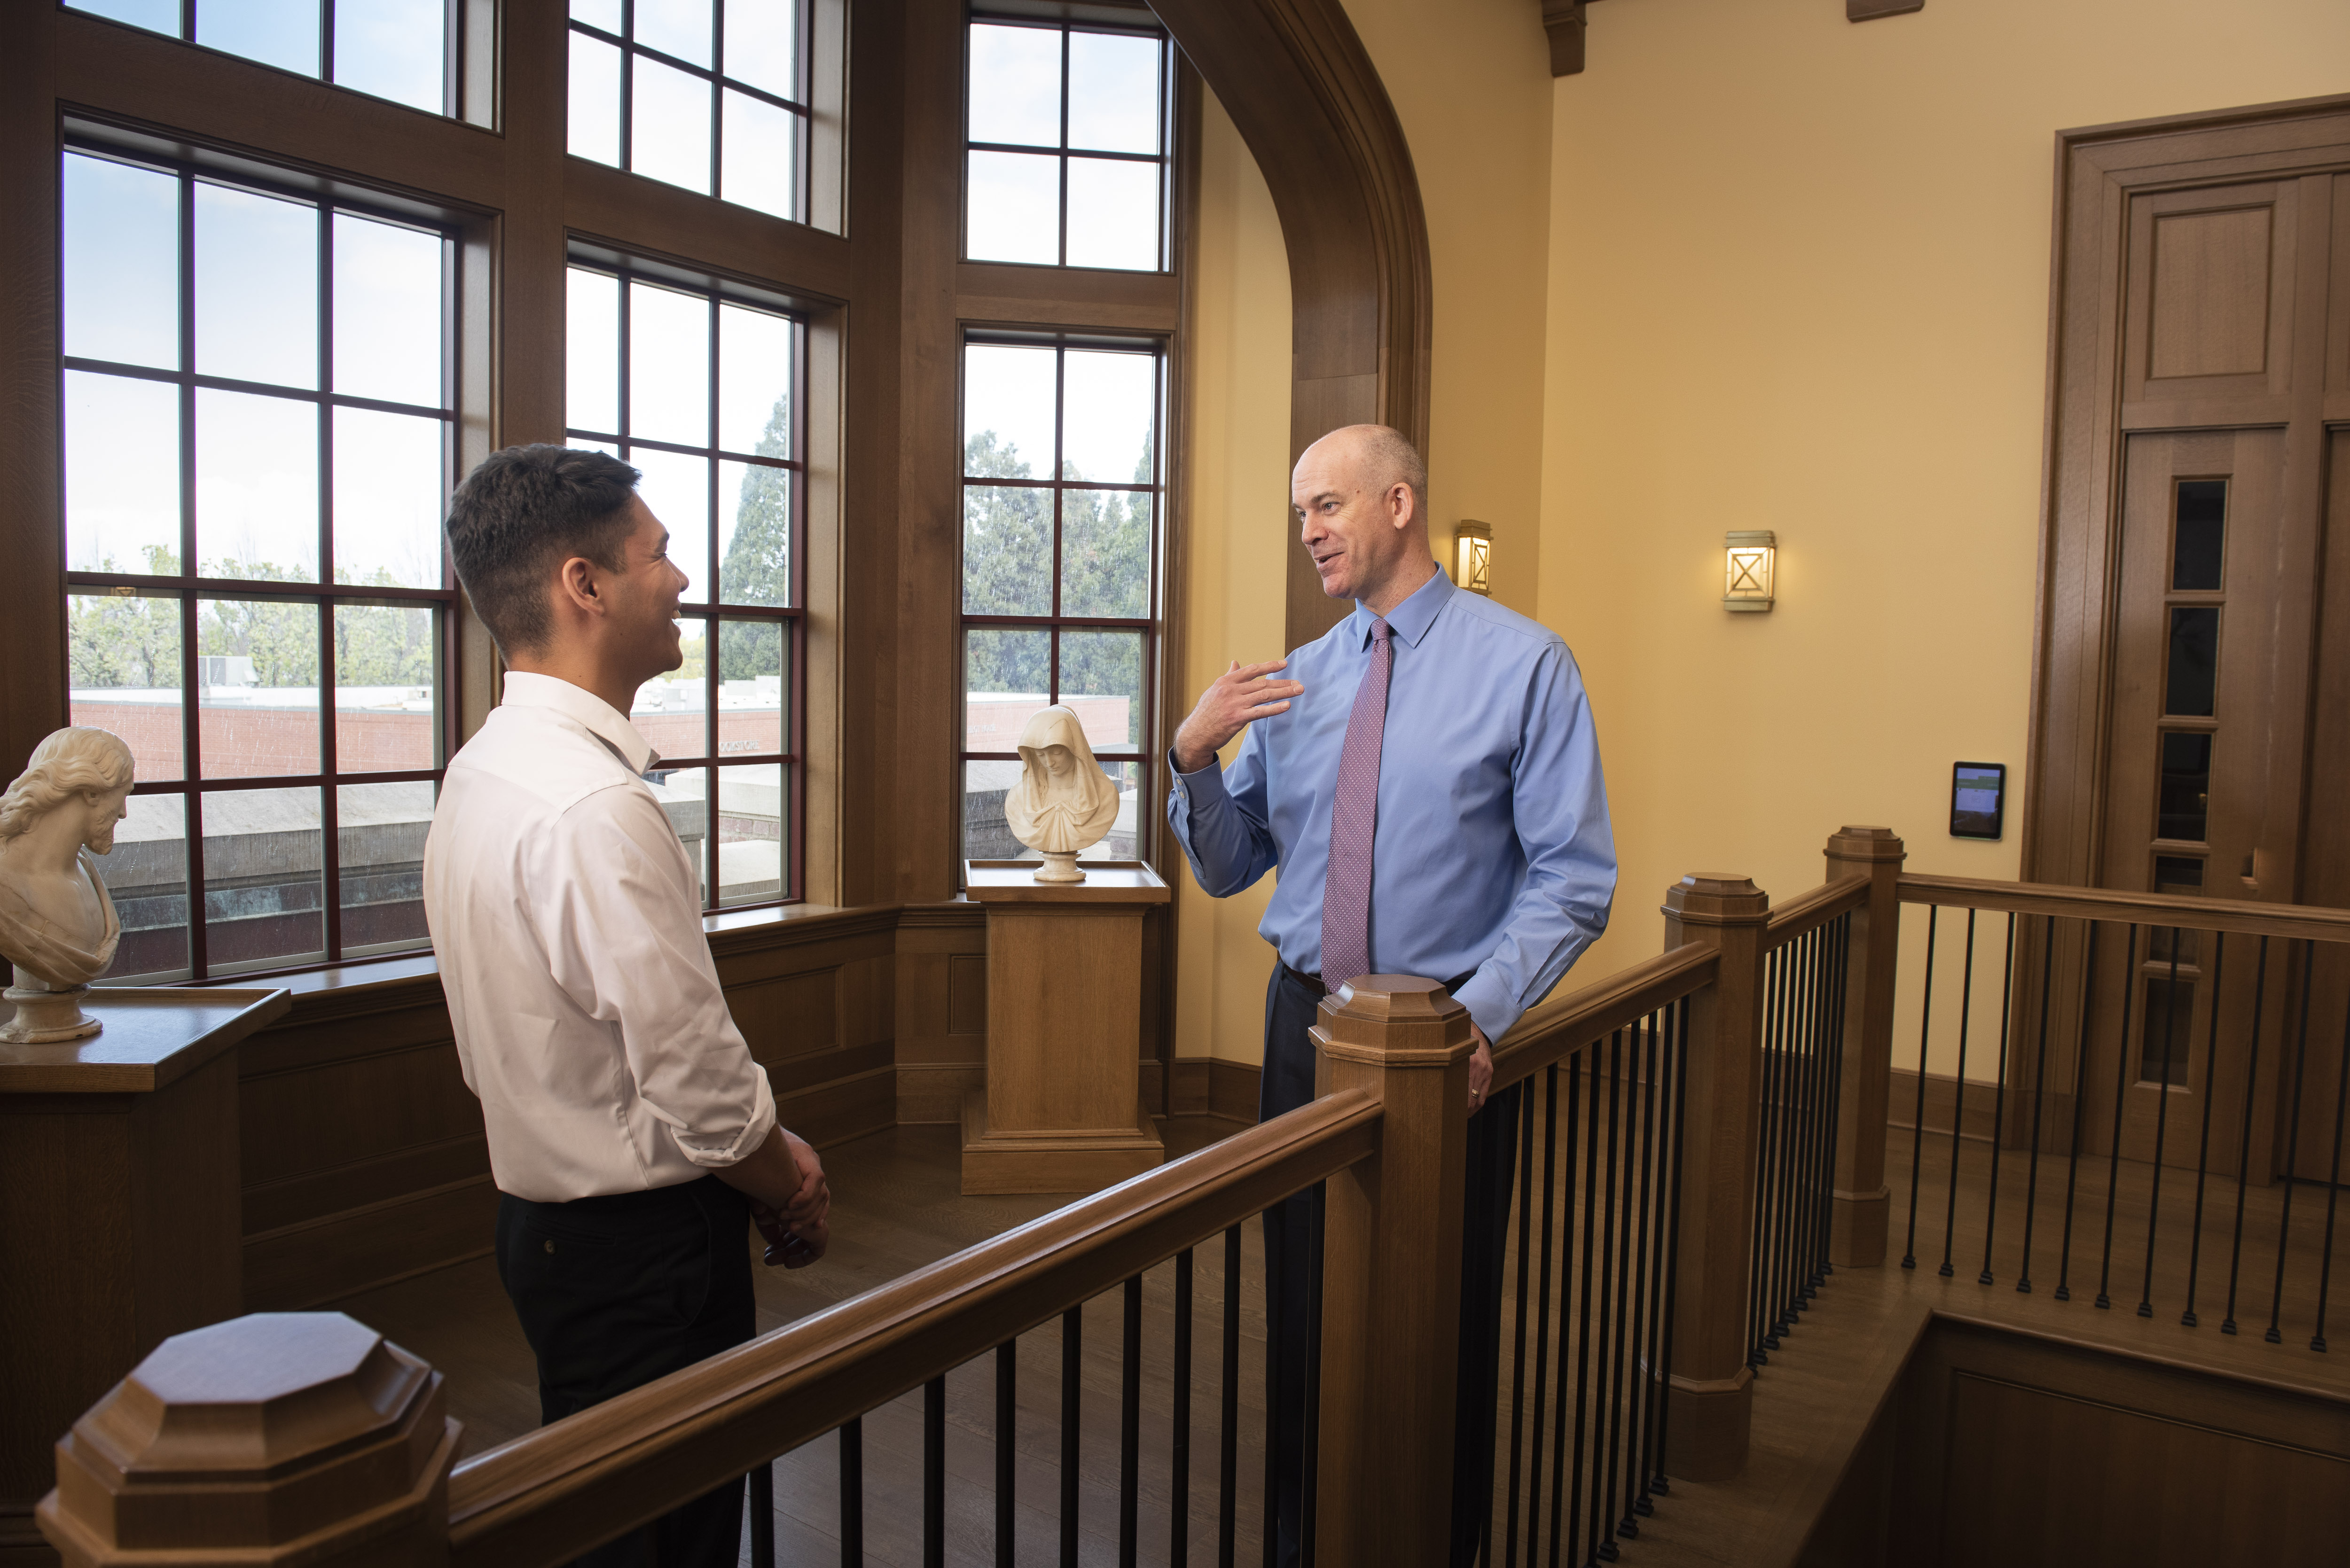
(1563, 20)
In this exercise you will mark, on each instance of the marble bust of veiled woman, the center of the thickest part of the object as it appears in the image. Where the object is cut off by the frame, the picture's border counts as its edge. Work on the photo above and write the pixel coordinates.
(1064, 803)
(58, 924)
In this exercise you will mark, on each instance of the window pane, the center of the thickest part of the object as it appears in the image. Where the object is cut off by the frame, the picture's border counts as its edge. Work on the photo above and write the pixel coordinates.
(1007, 411)
(751, 837)
(1114, 92)
(669, 710)
(1007, 676)
(123, 656)
(2186, 786)
(256, 688)
(1106, 430)
(754, 380)
(591, 351)
(669, 365)
(669, 125)
(1101, 682)
(2200, 535)
(1120, 842)
(2194, 654)
(159, 15)
(1007, 550)
(256, 486)
(122, 474)
(385, 715)
(594, 99)
(146, 875)
(763, 39)
(122, 263)
(754, 535)
(379, 845)
(388, 318)
(678, 27)
(986, 835)
(684, 796)
(390, 490)
(1013, 205)
(394, 49)
(256, 288)
(1015, 84)
(754, 682)
(281, 33)
(1113, 214)
(1105, 554)
(262, 878)
(604, 13)
(759, 162)
(677, 489)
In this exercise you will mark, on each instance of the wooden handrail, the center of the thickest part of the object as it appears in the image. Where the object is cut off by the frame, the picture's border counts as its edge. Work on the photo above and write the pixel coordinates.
(2304, 921)
(548, 1495)
(1554, 1030)
(1808, 912)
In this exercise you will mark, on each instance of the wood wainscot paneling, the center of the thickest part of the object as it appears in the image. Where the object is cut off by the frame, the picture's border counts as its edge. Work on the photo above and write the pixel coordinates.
(815, 995)
(1204, 1086)
(941, 1010)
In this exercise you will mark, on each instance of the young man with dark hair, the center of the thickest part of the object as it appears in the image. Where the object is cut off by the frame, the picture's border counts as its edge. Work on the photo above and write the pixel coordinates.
(630, 1133)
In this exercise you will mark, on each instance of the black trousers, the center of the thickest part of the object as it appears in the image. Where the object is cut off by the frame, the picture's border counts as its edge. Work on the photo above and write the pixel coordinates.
(614, 1291)
(1290, 1005)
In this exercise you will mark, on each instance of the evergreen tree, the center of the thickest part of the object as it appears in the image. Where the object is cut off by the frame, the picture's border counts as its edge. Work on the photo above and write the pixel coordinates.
(757, 569)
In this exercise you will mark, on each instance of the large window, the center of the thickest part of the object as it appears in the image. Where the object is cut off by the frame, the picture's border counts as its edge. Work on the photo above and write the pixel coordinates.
(258, 419)
(1067, 140)
(398, 49)
(700, 391)
(1061, 489)
(708, 94)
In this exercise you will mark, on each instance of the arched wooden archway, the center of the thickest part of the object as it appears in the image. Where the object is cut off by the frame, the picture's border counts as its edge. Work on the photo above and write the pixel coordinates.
(1303, 91)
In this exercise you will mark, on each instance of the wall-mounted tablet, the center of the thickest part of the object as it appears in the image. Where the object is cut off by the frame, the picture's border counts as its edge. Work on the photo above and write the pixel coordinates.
(1978, 799)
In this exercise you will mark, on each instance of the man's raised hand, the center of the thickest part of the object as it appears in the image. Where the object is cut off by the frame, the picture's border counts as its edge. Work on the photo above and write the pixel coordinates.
(1238, 698)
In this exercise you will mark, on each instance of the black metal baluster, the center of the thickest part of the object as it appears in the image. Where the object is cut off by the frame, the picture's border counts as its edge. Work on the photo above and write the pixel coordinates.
(1604, 1499)
(1518, 1364)
(1129, 1426)
(1228, 1412)
(2121, 1087)
(2161, 1125)
(852, 1493)
(1802, 1221)
(2203, 1150)
(1272, 1424)
(762, 1515)
(1832, 1108)
(1609, 1321)
(2063, 1291)
(1073, 1335)
(1794, 1114)
(1917, 1117)
(2244, 1137)
(1179, 1529)
(1661, 1266)
(2292, 1142)
(1562, 1486)
(1661, 1483)
(1007, 1447)
(1635, 1359)
(1309, 1473)
(1763, 1336)
(1958, 1095)
(2039, 1071)
(1542, 1295)
(2332, 1186)
(934, 1473)
(1999, 1098)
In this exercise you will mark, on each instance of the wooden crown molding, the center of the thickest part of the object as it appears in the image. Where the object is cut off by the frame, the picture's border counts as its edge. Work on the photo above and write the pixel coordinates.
(1563, 20)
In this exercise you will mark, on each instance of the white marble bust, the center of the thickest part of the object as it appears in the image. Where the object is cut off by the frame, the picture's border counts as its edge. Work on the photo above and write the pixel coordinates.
(1064, 803)
(58, 924)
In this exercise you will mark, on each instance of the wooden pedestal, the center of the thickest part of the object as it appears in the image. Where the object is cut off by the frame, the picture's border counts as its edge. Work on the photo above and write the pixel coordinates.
(1062, 1111)
(118, 1211)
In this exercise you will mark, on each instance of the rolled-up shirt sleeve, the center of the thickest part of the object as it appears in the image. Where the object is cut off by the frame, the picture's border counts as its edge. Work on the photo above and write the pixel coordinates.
(1221, 819)
(624, 940)
(1560, 803)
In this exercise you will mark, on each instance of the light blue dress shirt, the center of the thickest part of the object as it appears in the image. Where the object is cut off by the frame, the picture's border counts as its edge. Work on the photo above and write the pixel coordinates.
(1493, 851)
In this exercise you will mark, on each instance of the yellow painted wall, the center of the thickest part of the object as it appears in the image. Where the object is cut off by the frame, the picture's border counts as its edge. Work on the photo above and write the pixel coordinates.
(1799, 275)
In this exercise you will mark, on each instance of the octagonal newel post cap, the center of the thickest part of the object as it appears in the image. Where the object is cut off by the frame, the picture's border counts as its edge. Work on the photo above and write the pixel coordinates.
(1867, 844)
(1717, 899)
(270, 1431)
(1393, 1021)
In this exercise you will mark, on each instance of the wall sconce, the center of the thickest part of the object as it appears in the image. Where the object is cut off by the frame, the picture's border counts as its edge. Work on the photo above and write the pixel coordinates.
(1472, 557)
(1752, 560)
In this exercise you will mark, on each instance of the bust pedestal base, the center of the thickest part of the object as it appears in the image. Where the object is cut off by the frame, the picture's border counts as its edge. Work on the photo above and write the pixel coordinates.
(46, 1017)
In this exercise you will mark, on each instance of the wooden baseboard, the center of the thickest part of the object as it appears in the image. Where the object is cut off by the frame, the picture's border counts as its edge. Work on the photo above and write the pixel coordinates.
(1984, 1115)
(1233, 1090)
(931, 1093)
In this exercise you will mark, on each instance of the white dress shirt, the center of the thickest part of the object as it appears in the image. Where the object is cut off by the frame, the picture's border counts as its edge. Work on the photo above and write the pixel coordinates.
(567, 925)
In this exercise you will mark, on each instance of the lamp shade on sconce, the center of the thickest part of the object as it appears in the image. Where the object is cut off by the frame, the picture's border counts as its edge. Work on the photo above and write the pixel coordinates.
(1751, 566)
(1472, 557)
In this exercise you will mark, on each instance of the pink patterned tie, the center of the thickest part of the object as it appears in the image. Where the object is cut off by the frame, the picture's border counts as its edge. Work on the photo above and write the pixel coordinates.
(1354, 818)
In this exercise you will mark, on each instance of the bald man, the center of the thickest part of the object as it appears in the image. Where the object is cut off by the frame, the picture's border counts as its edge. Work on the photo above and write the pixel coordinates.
(1426, 780)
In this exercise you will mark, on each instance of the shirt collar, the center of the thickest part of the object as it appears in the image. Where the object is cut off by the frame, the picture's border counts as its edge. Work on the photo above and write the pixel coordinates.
(1411, 619)
(583, 707)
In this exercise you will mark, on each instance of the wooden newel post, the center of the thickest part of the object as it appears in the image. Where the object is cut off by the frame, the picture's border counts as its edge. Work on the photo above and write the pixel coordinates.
(276, 1438)
(1391, 1274)
(1857, 1239)
(1712, 1385)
